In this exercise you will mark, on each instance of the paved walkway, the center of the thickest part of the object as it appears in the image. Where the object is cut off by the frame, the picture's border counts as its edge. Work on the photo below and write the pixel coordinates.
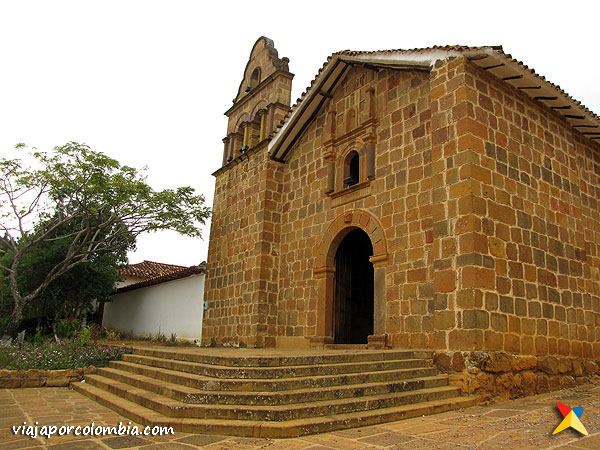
(519, 424)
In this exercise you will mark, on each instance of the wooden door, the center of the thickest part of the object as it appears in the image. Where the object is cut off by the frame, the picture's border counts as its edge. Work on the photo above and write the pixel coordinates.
(353, 301)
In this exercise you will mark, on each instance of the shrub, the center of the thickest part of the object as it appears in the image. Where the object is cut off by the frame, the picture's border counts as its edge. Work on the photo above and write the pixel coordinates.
(38, 338)
(65, 354)
(127, 335)
(112, 334)
(66, 328)
(158, 337)
(98, 332)
(84, 338)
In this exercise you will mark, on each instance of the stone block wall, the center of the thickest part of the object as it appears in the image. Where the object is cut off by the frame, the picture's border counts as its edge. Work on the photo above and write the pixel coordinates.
(490, 374)
(241, 284)
(242, 267)
(42, 378)
(516, 239)
(485, 201)
(398, 198)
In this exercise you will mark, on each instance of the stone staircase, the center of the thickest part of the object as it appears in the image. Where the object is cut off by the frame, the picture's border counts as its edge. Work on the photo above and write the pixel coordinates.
(271, 394)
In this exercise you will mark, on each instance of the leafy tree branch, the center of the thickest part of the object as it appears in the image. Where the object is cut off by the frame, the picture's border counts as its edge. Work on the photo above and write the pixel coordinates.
(88, 202)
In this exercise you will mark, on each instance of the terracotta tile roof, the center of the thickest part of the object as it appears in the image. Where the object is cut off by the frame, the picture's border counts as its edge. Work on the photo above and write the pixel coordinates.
(149, 269)
(181, 272)
(458, 48)
(500, 64)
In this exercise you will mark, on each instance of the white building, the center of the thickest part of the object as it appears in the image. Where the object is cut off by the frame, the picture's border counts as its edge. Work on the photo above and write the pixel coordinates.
(158, 298)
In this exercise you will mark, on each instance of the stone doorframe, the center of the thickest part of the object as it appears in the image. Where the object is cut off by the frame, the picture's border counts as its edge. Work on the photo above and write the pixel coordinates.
(324, 273)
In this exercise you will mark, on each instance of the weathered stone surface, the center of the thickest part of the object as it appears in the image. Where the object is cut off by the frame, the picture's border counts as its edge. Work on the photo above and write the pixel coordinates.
(564, 365)
(590, 367)
(497, 362)
(554, 382)
(442, 361)
(509, 385)
(59, 373)
(567, 382)
(460, 380)
(529, 383)
(469, 427)
(32, 382)
(548, 364)
(541, 383)
(10, 383)
(458, 362)
(56, 382)
(524, 363)
(577, 367)
(485, 382)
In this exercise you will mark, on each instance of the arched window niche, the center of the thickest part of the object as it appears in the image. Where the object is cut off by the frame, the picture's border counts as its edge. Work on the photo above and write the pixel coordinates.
(352, 168)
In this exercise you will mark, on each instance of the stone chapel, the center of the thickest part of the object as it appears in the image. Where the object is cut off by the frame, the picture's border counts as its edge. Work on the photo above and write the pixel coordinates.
(443, 198)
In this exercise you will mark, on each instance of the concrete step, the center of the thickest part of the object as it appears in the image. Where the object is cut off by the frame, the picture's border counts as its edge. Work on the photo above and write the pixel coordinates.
(267, 385)
(172, 388)
(175, 408)
(270, 372)
(271, 393)
(291, 428)
(346, 346)
(308, 359)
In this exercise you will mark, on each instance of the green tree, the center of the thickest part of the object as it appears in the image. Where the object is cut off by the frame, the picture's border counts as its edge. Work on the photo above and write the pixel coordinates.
(71, 294)
(90, 204)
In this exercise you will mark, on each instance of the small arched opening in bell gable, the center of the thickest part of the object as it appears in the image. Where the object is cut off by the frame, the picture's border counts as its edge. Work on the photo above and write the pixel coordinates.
(255, 78)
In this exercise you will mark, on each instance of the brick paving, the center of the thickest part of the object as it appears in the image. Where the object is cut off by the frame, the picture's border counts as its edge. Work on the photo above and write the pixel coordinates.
(525, 423)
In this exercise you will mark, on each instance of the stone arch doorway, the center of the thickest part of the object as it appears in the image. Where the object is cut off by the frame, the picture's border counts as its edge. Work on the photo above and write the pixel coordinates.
(325, 275)
(353, 290)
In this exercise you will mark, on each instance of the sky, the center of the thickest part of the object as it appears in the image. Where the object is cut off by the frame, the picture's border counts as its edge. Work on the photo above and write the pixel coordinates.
(147, 82)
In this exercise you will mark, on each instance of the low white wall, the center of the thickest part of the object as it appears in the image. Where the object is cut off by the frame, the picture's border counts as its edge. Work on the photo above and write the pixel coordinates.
(171, 307)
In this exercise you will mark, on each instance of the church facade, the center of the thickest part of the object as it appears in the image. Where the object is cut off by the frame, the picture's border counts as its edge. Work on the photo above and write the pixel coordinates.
(443, 198)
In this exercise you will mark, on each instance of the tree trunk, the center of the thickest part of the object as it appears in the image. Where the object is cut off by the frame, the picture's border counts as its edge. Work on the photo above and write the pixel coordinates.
(15, 320)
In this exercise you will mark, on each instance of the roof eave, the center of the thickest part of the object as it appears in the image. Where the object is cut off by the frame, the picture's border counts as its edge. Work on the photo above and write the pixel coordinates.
(491, 59)
(524, 79)
(187, 272)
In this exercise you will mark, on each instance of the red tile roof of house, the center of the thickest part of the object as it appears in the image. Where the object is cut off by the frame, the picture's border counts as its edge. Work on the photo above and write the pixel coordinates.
(149, 269)
(169, 272)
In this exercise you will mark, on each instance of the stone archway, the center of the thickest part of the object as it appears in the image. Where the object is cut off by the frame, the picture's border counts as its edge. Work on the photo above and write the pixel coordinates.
(324, 272)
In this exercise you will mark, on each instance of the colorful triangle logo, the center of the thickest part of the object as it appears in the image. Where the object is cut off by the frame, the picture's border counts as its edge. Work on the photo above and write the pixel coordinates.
(571, 419)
